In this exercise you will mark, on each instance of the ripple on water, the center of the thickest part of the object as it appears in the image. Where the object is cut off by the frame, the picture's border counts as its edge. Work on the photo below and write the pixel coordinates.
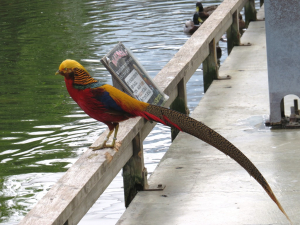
(29, 188)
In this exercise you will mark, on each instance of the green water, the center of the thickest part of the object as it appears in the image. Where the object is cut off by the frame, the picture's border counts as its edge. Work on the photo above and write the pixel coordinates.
(37, 117)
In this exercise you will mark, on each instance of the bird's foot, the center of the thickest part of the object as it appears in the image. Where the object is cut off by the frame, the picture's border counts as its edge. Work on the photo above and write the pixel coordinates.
(112, 145)
(94, 148)
(104, 145)
(115, 146)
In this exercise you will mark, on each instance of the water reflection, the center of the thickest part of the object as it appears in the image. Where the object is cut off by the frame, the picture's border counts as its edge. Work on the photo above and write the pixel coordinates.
(42, 131)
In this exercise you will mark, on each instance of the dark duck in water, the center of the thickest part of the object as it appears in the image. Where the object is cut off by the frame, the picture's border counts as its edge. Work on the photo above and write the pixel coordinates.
(202, 13)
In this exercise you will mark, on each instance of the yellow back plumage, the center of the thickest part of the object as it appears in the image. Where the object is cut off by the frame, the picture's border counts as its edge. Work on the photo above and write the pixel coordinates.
(126, 102)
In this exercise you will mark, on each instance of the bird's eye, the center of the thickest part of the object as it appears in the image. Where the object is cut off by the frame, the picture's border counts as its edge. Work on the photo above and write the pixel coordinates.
(65, 68)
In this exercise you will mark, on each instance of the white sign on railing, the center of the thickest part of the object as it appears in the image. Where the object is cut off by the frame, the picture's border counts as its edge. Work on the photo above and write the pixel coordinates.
(130, 74)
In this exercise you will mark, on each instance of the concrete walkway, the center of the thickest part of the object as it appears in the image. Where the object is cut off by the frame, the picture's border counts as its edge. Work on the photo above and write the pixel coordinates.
(203, 186)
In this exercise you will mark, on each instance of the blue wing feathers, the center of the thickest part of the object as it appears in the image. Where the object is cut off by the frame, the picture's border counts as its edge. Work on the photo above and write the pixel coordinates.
(107, 101)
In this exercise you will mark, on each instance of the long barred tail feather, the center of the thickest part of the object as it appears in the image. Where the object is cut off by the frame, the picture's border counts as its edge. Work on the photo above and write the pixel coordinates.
(191, 126)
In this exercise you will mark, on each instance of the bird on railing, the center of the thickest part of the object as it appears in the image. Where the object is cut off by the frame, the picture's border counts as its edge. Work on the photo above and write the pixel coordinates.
(111, 106)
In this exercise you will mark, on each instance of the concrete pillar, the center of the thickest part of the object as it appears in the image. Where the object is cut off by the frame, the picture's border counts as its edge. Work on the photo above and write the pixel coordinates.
(283, 48)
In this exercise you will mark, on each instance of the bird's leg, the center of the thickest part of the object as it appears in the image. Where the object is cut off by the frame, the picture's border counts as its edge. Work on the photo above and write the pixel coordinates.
(115, 135)
(104, 145)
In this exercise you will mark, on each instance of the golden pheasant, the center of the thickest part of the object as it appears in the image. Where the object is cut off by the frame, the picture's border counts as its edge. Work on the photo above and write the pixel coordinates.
(109, 105)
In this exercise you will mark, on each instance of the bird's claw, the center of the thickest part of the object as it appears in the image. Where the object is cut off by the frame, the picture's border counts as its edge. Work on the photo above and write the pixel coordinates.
(101, 147)
(104, 145)
(96, 147)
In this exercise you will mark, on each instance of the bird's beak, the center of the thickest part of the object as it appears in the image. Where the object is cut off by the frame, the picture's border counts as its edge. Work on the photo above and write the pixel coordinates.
(57, 72)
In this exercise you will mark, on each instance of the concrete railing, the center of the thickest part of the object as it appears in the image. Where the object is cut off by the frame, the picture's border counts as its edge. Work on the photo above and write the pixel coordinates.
(72, 196)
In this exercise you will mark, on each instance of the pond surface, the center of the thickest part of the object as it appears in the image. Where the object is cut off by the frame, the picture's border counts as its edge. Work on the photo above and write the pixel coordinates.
(42, 131)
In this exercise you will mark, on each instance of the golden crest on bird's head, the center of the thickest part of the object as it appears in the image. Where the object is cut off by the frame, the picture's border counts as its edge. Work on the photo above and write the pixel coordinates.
(68, 66)
(72, 69)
